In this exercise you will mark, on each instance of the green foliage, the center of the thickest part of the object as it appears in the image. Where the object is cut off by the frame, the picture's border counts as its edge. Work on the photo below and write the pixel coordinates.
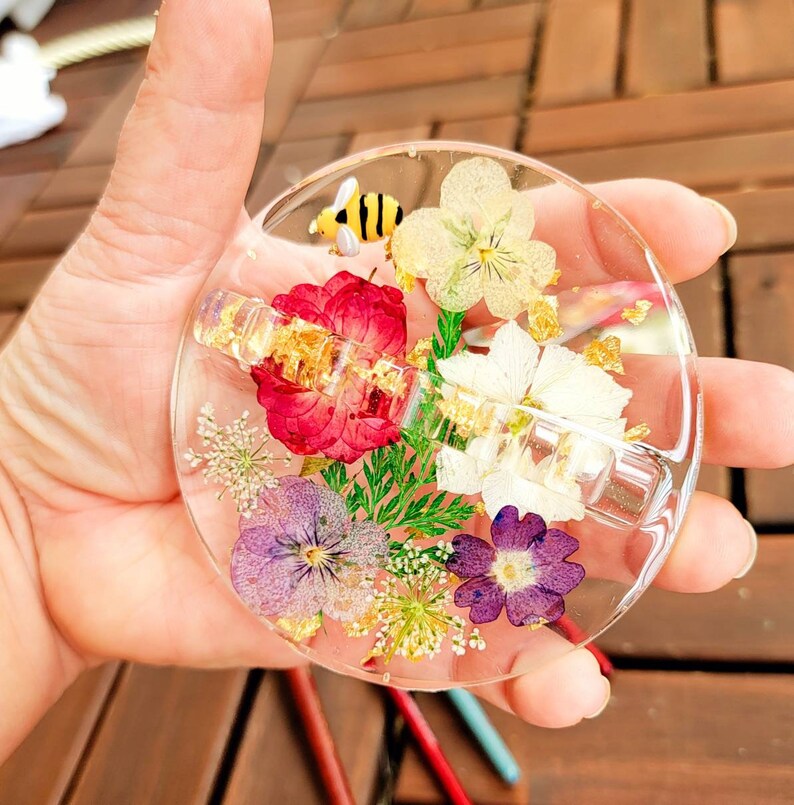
(335, 475)
(446, 339)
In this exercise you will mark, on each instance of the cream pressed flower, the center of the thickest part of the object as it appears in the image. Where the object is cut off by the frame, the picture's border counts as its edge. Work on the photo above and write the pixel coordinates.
(477, 244)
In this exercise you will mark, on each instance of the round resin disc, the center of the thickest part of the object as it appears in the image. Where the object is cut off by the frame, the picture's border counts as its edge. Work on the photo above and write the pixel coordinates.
(436, 415)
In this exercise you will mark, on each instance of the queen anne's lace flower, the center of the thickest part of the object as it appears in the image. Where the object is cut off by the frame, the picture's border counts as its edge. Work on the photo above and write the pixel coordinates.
(237, 458)
(477, 243)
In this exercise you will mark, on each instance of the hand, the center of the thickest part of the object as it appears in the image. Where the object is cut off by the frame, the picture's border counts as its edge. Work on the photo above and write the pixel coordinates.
(113, 567)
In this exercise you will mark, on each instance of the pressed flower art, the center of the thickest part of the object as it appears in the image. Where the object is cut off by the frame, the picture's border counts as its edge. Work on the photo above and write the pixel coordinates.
(407, 436)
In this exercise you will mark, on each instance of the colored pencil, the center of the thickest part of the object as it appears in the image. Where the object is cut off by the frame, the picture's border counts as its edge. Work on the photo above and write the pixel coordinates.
(491, 742)
(575, 634)
(307, 701)
(429, 746)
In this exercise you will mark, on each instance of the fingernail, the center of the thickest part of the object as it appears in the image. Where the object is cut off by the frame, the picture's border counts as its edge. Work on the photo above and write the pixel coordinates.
(607, 694)
(753, 552)
(730, 222)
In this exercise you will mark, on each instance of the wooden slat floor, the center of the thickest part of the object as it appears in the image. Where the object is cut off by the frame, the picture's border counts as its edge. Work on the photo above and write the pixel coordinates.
(699, 91)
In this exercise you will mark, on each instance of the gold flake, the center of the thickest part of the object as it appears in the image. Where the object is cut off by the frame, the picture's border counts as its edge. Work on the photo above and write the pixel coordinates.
(384, 376)
(605, 354)
(300, 629)
(334, 250)
(576, 288)
(636, 315)
(313, 464)
(555, 277)
(533, 627)
(637, 433)
(479, 508)
(406, 281)
(418, 355)
(542, 322)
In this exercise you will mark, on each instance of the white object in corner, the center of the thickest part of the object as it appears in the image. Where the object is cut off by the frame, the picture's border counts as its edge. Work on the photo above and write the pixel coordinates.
(26, 14)
(27, 109)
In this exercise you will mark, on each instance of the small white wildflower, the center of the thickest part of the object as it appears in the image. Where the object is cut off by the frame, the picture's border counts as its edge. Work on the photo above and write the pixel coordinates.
(476, 640)
(236, 458)
(458, 644)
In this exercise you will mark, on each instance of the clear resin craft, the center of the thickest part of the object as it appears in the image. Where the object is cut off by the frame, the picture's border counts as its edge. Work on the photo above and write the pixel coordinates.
(436, 415)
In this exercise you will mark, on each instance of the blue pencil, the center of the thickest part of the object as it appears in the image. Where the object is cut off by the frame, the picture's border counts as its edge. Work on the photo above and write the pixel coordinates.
(489, 739)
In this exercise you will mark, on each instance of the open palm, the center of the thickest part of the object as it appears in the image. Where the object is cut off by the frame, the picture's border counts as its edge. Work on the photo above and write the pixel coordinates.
(85, 383)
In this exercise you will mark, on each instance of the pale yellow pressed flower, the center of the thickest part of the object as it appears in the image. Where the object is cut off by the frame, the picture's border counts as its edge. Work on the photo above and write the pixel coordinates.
(477, 244)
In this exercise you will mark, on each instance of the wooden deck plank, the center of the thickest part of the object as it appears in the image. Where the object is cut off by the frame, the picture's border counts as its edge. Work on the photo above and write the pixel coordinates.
(433, 34)
(381, 73)
(294, 63)
(399, 108)
(21, 279)
(8, 321)
(755, 39)
(750, 620)
(764, 216)
(720, 110)
(666, 47)
(57, 743)
(366, 14)
(725, 749)
(274, 742)
(373, 139)
(421, 9)
(73, 187)
(499, 131)
(288, 164)
(298, 20)
(579, 55)
(16, 194)
(45, 232)
(763, 299)
(68, 17)
(707, 163)
(143, 753)
(97, 146)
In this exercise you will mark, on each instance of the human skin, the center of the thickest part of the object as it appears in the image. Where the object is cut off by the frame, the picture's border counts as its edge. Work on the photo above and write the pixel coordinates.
(98, 559)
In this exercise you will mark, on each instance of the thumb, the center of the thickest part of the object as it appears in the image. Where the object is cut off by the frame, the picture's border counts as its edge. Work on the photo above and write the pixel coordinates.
(189, 145)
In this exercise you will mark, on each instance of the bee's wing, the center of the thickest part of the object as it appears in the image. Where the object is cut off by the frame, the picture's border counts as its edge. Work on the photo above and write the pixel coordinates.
(347, 242)
(347, 190)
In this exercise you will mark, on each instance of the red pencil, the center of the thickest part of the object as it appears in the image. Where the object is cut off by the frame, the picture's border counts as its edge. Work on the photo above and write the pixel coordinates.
(575, 634)
(307, 700)
(429, 746)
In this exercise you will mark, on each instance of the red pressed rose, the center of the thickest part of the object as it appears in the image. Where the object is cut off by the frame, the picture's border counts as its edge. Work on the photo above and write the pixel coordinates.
(308, 422)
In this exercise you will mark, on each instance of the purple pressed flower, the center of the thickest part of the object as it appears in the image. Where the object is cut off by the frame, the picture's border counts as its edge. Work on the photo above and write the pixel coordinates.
(300, 554)
(524, 570)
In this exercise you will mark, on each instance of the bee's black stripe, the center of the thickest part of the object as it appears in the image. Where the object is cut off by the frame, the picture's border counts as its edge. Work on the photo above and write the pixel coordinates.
(399, 216)
(379, 225)
(363, 213)
(341, 217)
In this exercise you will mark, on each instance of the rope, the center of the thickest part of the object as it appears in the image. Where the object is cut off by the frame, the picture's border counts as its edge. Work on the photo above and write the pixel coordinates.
(98, 41)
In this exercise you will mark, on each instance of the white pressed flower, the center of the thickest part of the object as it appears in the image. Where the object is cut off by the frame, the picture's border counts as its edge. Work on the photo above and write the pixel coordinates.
(558, 381)
(236, 458)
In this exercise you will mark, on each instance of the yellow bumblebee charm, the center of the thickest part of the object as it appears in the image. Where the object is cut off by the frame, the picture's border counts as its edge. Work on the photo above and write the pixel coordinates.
(353, 218)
